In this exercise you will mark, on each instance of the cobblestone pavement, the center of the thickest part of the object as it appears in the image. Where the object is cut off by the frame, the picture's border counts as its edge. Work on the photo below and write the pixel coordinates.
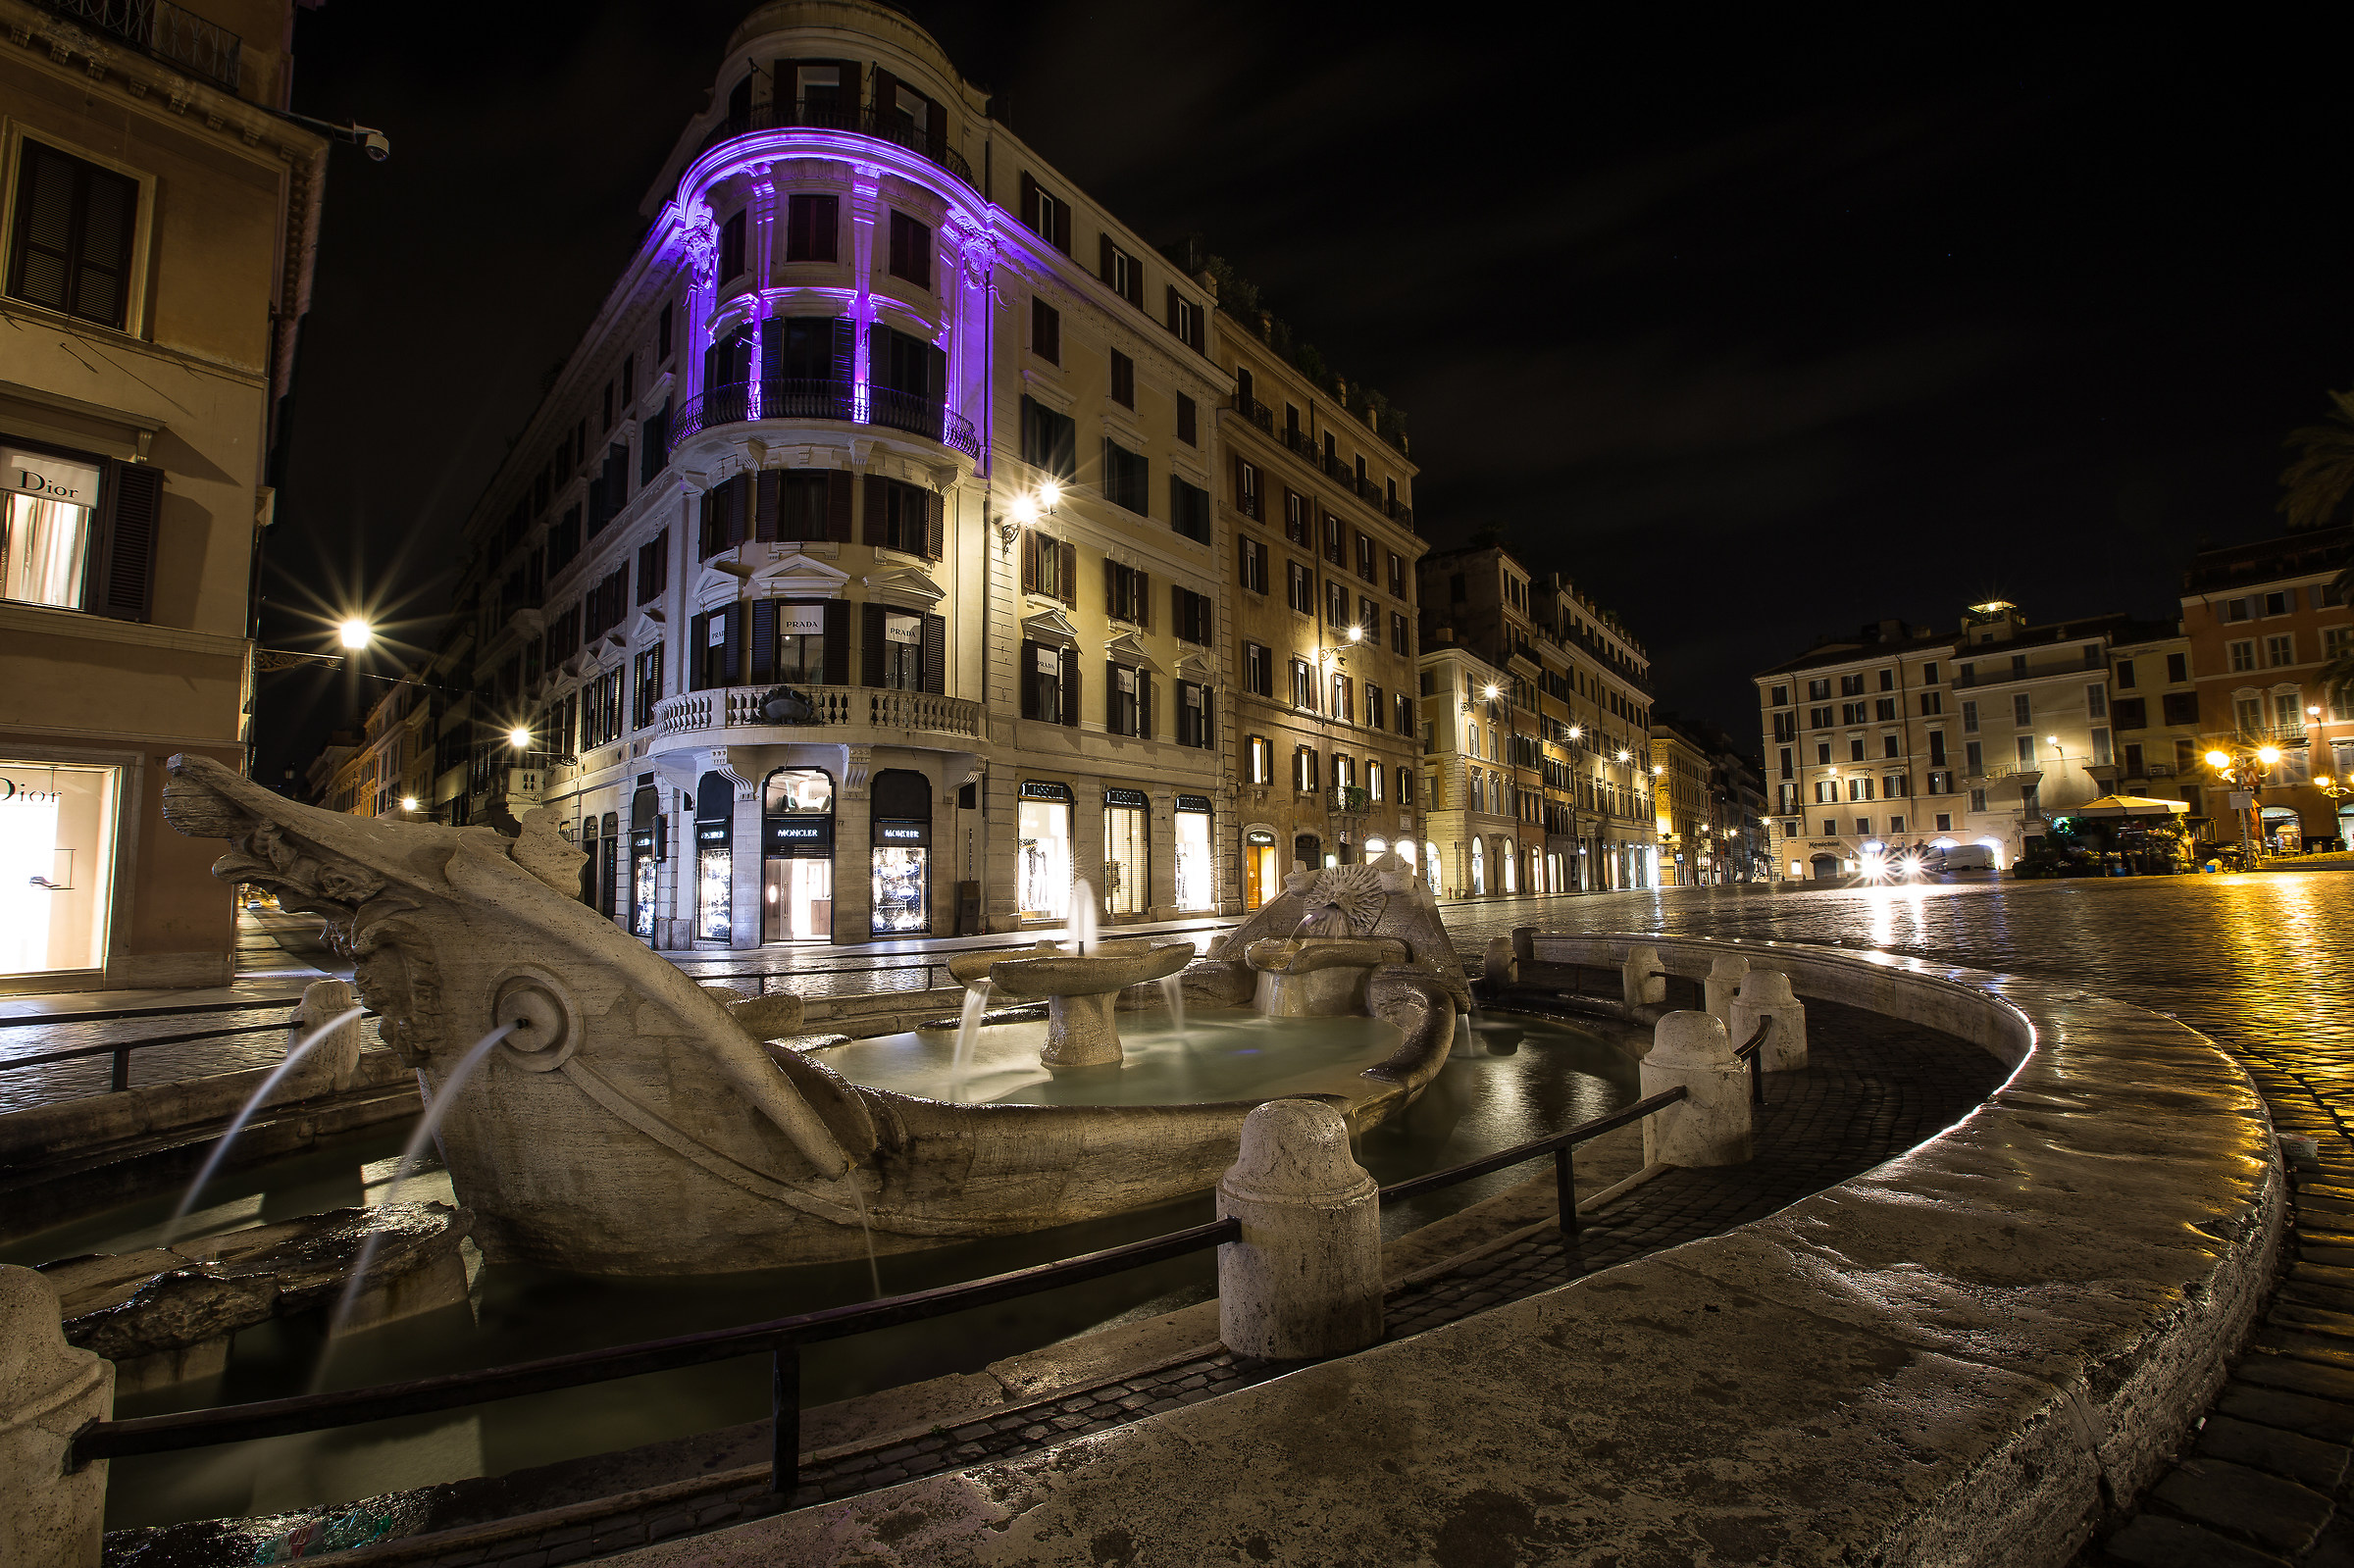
(1870, 1091)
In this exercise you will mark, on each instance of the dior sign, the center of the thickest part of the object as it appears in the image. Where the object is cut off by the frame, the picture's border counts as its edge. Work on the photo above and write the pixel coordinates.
(52, 479)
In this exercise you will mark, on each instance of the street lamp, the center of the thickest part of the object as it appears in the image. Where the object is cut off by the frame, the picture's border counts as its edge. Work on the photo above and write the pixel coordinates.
(355, 634)
(2246, 766)
(408, 802)
(519, 738)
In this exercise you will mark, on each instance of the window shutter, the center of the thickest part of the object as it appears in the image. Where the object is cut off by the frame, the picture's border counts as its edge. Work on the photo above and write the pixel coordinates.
(1030, 203)
(886, 107)
(1104, 257)
(1026, 678)
(764, 641)
(1029, 562)
(771, 483)
(705, 549)
(121, 570)
(1070, 576)
(733, 650)
(838, 643)
(870, 648)
(838, 506)
(1206, 734)
(1111, 698)
(1112, 587)
(845, 364)
(878, 497)
(935, 375)
(935, 516)
(1144, 705)
(740, 508)
(936, 654)
(1173, 307)
(1144, 600)
(1070, 686)
(1177, 609)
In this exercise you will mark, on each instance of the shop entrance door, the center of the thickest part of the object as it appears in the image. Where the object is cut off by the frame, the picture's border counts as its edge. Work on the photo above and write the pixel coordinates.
(1261, 880)
(796, 850)
(1127, 853)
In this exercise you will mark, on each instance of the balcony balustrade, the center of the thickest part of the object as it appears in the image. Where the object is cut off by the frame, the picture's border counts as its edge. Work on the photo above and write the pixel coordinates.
(185, 39)
(853, 403)
(848, 715)
(858, 122)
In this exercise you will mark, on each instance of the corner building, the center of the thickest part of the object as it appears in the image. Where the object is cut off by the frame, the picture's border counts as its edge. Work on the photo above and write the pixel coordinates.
(858, 577)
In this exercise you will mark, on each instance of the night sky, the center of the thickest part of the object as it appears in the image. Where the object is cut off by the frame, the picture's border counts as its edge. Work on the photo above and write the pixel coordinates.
(1757, 334)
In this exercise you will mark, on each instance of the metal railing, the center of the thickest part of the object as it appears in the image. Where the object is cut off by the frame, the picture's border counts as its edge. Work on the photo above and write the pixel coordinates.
(781, 1338)
(803, 398)
(857, 121)
(165, 30)
(119, 1075)
(889, 709)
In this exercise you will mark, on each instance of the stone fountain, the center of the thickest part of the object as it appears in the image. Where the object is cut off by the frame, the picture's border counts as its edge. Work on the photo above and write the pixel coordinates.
(1080, 990)
(639, 1127)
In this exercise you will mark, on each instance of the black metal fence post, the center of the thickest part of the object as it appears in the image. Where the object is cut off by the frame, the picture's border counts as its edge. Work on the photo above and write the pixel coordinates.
(1564, 1180)
(119, 1077)
(785, 1421)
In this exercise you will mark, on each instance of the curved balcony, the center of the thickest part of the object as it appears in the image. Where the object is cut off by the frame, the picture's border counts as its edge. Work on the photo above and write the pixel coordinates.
(839, 714)
(857, 122)
(743, 402)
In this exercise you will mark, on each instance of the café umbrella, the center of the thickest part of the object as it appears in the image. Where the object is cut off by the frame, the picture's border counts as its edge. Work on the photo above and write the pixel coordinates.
(2131, 806)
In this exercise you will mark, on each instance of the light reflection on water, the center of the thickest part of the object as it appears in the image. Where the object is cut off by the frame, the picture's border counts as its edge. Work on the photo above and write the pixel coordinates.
(1552, 1078)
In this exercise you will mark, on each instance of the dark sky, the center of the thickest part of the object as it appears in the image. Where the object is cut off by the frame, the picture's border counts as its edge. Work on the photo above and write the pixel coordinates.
(1756, 333)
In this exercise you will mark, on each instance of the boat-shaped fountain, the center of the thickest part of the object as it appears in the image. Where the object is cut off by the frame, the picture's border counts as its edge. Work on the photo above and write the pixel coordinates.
(630, 1122)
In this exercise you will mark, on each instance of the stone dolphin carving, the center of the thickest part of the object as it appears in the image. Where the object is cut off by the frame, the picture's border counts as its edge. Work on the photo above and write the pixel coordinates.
(633, 1126)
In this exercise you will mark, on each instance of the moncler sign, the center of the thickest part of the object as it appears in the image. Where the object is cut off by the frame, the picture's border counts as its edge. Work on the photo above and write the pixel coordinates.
(52, 479)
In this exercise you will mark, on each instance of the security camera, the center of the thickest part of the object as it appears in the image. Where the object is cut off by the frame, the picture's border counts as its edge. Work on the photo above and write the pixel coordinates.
(374, 142)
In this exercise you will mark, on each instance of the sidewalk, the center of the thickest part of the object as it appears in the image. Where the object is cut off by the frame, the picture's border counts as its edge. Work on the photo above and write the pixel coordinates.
(277, 955)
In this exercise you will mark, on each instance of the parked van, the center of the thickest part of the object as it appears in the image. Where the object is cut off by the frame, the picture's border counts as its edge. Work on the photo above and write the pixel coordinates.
(1962, 857)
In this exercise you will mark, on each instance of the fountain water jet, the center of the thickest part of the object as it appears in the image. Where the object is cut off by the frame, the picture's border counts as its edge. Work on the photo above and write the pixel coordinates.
(1173, 990)
(968, 1029)
(429, 1122)
(261, 1097)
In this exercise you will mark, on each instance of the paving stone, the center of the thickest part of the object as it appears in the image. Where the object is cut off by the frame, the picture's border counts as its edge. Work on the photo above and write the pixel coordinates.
(2154, 1541)
(2329, 1420)
(2295, 1374)
(2307, 1460)
(2283, 1338)
(2275, 1513)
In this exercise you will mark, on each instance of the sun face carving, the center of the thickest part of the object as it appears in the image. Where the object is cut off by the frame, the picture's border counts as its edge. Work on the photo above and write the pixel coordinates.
(1354, 891)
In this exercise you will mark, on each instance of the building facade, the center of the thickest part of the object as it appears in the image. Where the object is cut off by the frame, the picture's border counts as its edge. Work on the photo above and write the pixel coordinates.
(1318, 521)
(1564, 738)
(1688, 817)
(880, 563)
(2261, 620)
(157, 221)
(1898, 738)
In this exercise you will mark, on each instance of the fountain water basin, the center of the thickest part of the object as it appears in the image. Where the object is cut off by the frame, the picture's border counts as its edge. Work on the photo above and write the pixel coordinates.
(1080, 990)
(1318, 977)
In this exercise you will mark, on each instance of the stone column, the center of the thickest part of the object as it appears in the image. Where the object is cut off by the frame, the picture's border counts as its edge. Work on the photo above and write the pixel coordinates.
(1711, 1126)
(1306, 1277)
(853, 851)
(335, 1061)
(49, 1518)
(748, 873)
(1766, 994)
(1640, 983)
(1722, 984)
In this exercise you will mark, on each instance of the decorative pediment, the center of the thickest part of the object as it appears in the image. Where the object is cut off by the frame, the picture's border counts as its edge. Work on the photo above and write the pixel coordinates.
(1196, 667)
(1050, 626)
(648, 628)
(580, 663)
(718, 581)
(798, 576)
(910, 587)
(1125, 649)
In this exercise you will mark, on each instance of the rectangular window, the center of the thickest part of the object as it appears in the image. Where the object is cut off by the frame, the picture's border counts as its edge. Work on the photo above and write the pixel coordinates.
(1364, 558)
(1185, 320)
(1048, 216)
(1974, 760)
(1049, 440)
(2131, 713)
(2280, 650)
(2247, 714)
(1303, 770)
(1929, 673)
(1122, 272)
(1189, 509)
(1261, 752)
(812, 228)
(1189, 428)
(1405, 715)
(1855, 749)
(912, 250)
(2124, 674)
(1045, 330)
(1127, 595)
(73, 230)
(1977, 800)
(1300, 587)
(2243, 655)
(50, 529)
(1336, 605)
(1127, 478)
(1252, 554)
(1246, 489)
(1258, 669)
(1781, 697)
(730, 249)
(2182, 707)
(1933, 703)
(1884, 710)
(1304, 684)
(1851, 685)
(1123, 379)
(1816, 690)
(646, 669)
(2096, 702)
(2101, 757)
(2178, 668)
(2026, 751)
(1397, 575)
(1336, 549)
(2020, 711)
(1397, 633)
(1295, 516)
(1969, 717)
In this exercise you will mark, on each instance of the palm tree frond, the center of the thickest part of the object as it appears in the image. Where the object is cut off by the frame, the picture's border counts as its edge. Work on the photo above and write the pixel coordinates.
(2318, 482)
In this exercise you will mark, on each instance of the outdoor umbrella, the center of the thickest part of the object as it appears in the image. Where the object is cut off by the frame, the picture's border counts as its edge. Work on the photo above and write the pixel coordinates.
(2131, 806)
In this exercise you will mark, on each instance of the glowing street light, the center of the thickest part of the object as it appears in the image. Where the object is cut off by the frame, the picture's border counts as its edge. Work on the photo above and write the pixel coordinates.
(519, 738)
(2267, 755)
(408, 802)
(1357, 633)
(2218, 760)
(355, 634)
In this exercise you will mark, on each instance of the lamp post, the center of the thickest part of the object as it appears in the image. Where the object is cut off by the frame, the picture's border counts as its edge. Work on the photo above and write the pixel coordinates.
(2240, 764)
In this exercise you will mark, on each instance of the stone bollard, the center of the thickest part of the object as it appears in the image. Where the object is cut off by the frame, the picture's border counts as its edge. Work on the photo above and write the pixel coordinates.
(1306, 1277)
(48, 1390)
(1766, 994)
(1503, 966)
(1711, 1126)
(1722, 984)
(1639, 980)
(1524, 943)
(334, 1062)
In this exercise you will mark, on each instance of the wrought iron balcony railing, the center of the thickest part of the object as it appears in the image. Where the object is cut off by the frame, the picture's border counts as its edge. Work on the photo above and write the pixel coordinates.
(165, 30)
(858, 122)
(743, 402)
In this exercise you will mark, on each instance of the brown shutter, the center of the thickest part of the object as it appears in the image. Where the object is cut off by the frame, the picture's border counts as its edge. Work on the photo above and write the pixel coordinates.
(121, 585)
(1144, 600)
(884, 104)
(870, 648)
(733, 650)
(1172, 307)
(1029, 562)
(1103, 254)
(1111, 586)
(838, 643)
(1176, 609)
(1111, 698)
(1030, 203)
(1144, 705)
(838, 506)
(934, 524)
(1026, 679)
(1070, 574)
(771, 483)
(936, 654)
(764, 641)
(878, 497)
(1070, 686)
